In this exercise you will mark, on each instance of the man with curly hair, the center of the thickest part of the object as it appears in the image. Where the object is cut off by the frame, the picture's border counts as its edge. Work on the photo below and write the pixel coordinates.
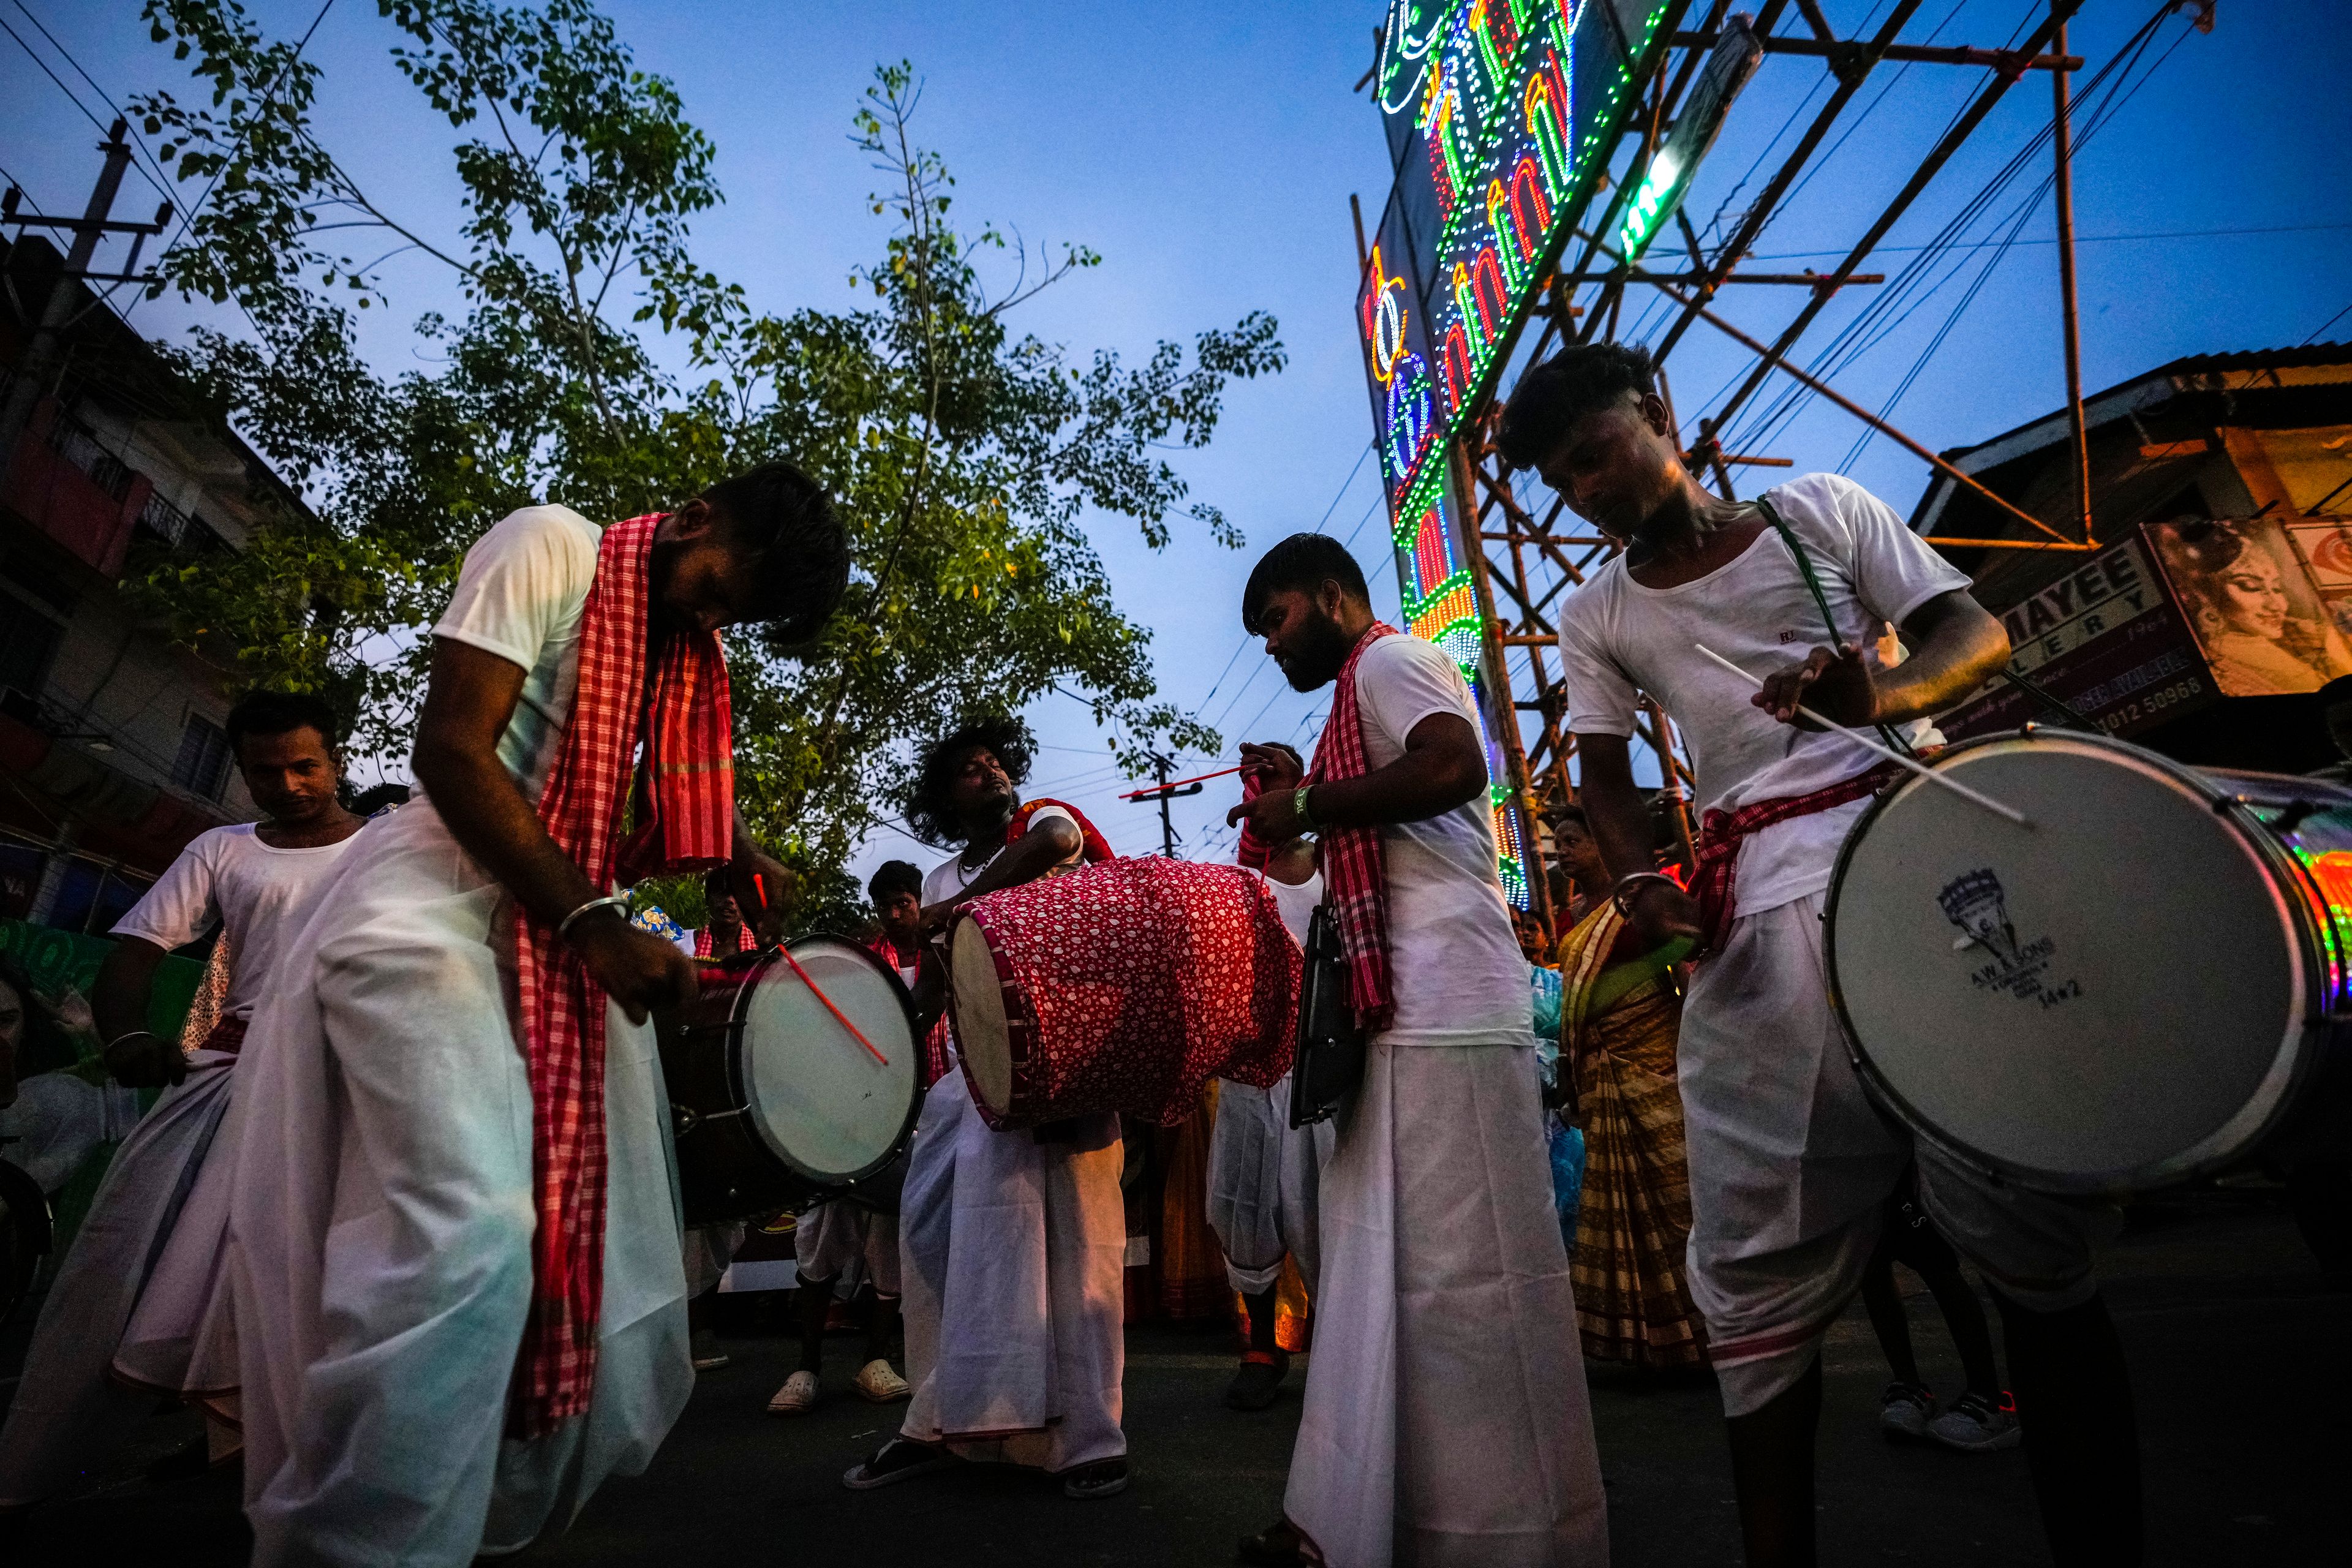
(1013, 1244)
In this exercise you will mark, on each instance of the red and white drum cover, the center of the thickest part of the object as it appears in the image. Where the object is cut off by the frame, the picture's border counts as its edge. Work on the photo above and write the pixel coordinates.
(1124, 986)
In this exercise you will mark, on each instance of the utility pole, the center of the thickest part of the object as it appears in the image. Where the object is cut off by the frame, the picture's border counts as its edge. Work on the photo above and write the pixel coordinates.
(2062, 136)
(40, 356)
(1164, 795)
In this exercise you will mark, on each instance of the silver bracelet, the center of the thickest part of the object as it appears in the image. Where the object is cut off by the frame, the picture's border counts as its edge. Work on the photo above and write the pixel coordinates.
(609, 901)
(1617, 891)
(129, 1035)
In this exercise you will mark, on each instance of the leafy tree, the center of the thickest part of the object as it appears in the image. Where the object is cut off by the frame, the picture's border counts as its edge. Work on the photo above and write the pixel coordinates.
(966, 457)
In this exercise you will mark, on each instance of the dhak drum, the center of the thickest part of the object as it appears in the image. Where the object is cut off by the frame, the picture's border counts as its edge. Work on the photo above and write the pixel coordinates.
(2142, 987)
(1123, 986)
(777, 1104)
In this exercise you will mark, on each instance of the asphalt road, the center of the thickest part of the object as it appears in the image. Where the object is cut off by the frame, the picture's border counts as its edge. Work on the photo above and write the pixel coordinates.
(2236, 1342)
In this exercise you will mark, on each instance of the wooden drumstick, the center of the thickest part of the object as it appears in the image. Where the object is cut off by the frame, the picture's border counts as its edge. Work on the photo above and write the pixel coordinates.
(838, 1015)
(1891, 755)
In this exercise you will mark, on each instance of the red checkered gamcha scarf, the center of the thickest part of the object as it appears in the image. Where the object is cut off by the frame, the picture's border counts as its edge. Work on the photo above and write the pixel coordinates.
(1355, 860)
(685, 800)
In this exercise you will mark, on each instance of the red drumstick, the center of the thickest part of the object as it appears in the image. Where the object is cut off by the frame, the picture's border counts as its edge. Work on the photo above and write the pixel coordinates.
(1178, 783)
(838, 1015)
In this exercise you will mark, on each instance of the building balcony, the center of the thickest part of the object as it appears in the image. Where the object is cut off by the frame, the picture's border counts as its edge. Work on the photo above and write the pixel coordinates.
(64, 484)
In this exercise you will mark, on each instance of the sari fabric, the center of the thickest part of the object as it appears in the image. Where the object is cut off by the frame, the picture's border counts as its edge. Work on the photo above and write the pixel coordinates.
(1618, 1029)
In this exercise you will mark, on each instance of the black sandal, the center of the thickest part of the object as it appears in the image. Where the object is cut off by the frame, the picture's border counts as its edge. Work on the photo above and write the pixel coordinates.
(900, 1459)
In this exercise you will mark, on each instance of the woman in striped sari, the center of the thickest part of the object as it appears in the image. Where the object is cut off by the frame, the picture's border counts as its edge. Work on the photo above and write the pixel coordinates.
(1619, 1013)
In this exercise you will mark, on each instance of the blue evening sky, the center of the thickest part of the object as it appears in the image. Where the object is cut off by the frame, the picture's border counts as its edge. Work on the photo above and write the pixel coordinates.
(1208, 153)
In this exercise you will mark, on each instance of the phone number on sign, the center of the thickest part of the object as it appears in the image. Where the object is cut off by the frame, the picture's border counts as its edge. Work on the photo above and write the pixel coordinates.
(2154, 702)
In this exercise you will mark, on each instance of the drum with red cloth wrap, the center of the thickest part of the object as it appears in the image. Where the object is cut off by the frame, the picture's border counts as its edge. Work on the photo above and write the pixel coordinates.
(1124, 986)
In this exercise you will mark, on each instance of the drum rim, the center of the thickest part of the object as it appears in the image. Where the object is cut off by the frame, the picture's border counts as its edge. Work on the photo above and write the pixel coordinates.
(827, 1183)
(2274, 1095)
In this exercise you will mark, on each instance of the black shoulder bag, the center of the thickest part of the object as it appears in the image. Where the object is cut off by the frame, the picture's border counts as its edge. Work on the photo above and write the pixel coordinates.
(1330, 1059)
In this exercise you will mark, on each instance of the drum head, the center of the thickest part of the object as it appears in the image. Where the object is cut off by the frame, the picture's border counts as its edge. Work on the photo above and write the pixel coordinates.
(818, 1099)
(2111, 999)
(983, 1036)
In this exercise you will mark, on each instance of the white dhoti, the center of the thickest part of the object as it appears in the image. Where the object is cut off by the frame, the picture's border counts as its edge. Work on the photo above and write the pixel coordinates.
(1013, 1258)
(834, 1235)
(1446, 1418)
(138, 1283)
(1263, 1175)
(1789, 1162)
(382, 1228)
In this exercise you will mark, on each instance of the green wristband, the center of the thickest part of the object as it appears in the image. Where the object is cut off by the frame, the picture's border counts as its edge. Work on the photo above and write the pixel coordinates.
(1298, 807)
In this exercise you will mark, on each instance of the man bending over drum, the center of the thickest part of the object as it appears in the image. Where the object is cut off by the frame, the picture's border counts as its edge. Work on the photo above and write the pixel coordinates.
(460, 1303)
(1789, 1162)
(137, 1302)
(1014, 1245)
(1446, 1418)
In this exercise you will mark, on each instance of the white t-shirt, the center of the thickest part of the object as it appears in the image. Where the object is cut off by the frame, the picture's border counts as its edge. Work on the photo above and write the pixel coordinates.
(1618, 637)
(1296, 902)
(520, 596)
(952, 876)
(1455, 965)
(229, 877)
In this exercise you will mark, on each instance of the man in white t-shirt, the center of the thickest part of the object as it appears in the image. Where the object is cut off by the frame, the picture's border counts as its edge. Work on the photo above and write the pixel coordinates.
(1446, 1418)
(1013, 1244)
(1789, 1160)
(448, 1338)
(140, 1303)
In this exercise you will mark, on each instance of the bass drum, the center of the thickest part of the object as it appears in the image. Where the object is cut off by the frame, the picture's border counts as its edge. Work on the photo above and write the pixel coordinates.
(777, 1103)
(2141, 988)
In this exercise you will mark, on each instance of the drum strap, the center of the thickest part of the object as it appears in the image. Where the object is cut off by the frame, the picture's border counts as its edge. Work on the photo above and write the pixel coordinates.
(1805, 570)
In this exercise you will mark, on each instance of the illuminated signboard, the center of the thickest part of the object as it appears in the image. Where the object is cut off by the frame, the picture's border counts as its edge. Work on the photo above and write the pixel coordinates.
(1495, 112)
(1660, 190)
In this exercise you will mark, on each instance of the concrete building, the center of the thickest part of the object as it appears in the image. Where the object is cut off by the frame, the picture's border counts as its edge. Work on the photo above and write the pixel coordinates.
(111, 748)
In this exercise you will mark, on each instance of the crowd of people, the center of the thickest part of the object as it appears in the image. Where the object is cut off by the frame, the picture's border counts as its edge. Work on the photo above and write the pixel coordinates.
(403, 1223)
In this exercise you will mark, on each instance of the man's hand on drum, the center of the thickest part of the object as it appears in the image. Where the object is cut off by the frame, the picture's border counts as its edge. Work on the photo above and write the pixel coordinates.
(762, 885)
(637, 969)
(1836, 684)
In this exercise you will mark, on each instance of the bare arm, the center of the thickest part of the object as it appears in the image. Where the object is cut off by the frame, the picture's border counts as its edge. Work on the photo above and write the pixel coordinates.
(119, 999)
(1620, 821)
(1049, 841)
(1955, 646)
(467, 706)
(1442, 767)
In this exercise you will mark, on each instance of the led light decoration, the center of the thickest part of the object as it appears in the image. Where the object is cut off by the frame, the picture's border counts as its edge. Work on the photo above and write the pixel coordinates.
(1511, 101)
(1737, 53)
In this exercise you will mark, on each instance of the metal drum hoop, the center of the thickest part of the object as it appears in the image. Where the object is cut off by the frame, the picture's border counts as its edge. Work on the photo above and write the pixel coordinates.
(756, 967)
(2291, 1069)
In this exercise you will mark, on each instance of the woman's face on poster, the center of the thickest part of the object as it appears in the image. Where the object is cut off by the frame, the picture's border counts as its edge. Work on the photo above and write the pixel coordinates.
(2253, 597)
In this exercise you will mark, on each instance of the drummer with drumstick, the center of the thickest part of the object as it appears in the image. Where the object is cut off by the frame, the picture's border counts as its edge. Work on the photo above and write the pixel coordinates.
(459, 1299)
(1789, 1162)
(1012, 1243)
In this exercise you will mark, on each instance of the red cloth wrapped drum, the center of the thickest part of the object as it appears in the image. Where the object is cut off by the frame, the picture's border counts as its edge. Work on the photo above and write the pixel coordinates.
(1124, 986)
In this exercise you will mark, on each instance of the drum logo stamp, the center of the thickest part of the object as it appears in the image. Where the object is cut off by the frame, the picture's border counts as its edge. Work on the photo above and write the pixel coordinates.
(1973, 901)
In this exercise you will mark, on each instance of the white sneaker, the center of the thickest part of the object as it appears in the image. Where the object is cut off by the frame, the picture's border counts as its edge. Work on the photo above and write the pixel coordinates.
(878, 1385)
(797, 1396)
(1974, 1426)
(1904, 1409)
